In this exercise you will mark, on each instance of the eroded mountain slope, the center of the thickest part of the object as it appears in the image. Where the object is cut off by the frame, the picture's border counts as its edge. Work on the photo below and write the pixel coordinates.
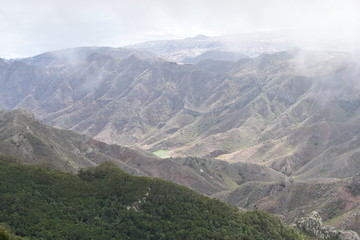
(35, 143)
(293, 111)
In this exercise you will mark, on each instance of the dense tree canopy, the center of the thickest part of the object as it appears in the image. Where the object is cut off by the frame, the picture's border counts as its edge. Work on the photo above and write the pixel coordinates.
(105, 203)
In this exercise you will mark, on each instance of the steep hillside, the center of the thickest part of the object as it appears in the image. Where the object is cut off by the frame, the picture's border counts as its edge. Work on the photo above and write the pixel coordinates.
(317, 119)
(35, 143)
(337, 201)
(293, 111)
(24, 136)
(106, 203)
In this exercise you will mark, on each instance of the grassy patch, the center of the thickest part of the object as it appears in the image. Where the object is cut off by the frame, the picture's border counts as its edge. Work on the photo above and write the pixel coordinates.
(162, 153)
(222, 157)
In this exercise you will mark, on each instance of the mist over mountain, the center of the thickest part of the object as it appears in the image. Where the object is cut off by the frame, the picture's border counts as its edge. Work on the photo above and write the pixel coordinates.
(293, 111)
(228, 47)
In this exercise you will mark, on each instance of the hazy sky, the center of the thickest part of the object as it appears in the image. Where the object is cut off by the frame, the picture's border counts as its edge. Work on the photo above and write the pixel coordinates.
(29, 27)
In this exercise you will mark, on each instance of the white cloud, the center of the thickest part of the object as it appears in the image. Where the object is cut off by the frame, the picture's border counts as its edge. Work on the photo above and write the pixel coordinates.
(31, 27)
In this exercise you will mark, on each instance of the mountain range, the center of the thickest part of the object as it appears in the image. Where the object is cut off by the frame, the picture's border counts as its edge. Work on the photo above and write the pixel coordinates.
(292, 111)
(277, 131)
(248, 186)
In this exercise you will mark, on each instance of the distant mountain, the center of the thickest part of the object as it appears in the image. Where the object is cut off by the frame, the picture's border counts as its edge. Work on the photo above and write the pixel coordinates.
(247, 44)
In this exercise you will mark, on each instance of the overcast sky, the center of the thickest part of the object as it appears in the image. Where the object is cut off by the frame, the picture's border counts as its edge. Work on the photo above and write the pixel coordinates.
(30, 27)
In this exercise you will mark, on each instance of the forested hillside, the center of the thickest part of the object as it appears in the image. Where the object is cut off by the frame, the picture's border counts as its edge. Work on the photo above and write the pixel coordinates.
(106, 203)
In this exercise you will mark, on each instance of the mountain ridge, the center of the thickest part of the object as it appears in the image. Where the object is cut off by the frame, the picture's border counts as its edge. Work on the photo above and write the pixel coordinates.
(291, 111)
(23, 136)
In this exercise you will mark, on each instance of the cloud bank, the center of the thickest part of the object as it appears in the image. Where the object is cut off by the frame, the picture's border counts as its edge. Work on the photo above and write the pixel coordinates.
(32, 27)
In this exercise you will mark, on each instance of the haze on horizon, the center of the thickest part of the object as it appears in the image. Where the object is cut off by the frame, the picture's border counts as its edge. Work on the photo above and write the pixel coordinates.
(33, 27)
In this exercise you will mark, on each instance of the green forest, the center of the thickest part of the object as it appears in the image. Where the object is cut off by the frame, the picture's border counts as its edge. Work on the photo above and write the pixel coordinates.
(106, 203)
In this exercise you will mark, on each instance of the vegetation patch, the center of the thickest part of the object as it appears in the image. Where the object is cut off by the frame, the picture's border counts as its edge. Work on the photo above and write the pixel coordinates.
(162, 153)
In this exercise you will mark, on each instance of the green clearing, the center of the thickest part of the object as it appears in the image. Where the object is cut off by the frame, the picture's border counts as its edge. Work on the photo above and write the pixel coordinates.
(162, 153)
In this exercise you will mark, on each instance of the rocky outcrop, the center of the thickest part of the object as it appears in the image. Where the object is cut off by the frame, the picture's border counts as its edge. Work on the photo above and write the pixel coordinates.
(353, 185)
(312, 225)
